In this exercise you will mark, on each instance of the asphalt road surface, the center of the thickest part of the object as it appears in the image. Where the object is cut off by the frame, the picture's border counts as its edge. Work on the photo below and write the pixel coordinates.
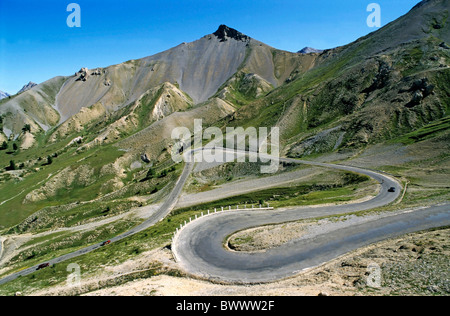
(200, 250)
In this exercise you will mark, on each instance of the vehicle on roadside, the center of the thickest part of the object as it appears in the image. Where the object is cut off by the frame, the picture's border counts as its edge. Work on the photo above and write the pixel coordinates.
(43, 266)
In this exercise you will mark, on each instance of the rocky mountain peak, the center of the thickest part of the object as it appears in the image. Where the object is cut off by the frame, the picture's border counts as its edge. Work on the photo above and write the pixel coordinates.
(3, 95)
(309, 50)
(224, 33)
(28, 86)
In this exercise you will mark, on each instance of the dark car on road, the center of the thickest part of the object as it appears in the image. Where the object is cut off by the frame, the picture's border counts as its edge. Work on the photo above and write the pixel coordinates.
(43, 266)
(392, 190)
(106, 243)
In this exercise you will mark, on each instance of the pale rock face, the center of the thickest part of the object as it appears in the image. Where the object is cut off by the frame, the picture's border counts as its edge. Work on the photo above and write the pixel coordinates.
(28, 141)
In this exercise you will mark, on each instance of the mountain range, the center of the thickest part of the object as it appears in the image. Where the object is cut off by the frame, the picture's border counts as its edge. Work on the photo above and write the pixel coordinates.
(26, 87)
(388, 83)
(3, 95)
(309, 50)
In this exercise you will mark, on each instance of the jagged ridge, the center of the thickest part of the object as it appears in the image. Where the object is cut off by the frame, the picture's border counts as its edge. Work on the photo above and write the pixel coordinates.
(224, 32)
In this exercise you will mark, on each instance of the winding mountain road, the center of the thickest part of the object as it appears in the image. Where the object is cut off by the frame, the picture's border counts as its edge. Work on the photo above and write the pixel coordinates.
(199, 246)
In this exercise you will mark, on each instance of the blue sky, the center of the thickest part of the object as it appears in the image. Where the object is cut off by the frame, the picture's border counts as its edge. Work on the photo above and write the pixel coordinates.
(36, 44)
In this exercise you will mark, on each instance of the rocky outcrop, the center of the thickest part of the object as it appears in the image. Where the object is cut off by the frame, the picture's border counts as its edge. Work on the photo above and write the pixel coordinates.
(381, 78)
(144, 158)
(82, 75)
(224, 33)
(27, 87)
(420, 89)
(97, 72)
(170, 100)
